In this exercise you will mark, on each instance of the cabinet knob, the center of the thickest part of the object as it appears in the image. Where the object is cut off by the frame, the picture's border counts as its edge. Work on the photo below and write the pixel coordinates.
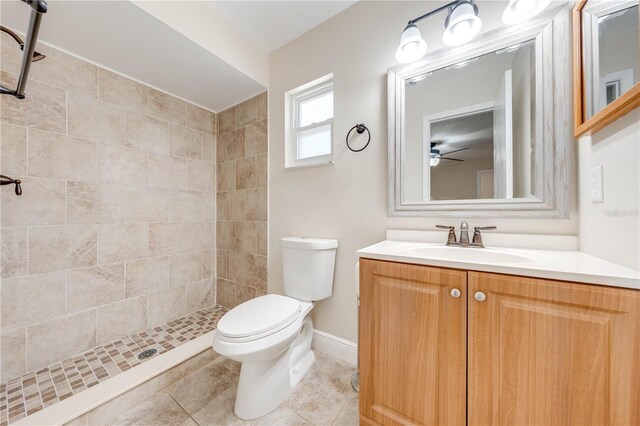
(455, 292)
(480, 296)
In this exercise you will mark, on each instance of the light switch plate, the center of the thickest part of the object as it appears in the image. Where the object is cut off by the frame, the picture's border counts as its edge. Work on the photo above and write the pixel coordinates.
(597, 187)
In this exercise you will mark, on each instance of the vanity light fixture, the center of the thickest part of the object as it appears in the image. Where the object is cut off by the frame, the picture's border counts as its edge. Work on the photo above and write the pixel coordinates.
(520, 10)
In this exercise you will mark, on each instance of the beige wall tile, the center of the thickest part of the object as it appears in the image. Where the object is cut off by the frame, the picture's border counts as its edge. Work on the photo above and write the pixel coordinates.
(246, 112)
(146, 276)
(147, 133)
(234, 142)
(247, 269)
(222, 205)
(226, 293)
(201, 236)
(167, 107)
(42, 203)
(246, 237)
(236, 206)
(13, 254)
(262, 170)
(208, 264)
(96, 120)
(96, 286)
(221, 149)
(121, 319)
(44, 108)
(208, 148)
(226, 176)
(146, 205)
(262, 242)
(167, 172)
(122, 165)
(200, 294)
(201, 119)
(51, 341)
(208, 206)
(246, 173)
(221, 263)
(185, 268)
(13, 144)
(200, 176)
(255, 138)
(27, 300)
(185, 142)
(186, 206)
(62, 157)
(54, 248)
(166, 305)
(13, 346)
(90, 202)
(167, 238)
(118, 89)
(226, 236)
(256, 204)
(120, 243)
(226, 120)
(261, 106)
(244, 293)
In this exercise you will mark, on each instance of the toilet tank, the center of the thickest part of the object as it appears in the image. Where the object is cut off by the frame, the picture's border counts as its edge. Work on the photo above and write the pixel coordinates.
(308, 266)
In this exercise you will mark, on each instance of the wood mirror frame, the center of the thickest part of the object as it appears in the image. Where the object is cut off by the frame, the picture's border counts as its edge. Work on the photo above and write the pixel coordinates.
(627, 102)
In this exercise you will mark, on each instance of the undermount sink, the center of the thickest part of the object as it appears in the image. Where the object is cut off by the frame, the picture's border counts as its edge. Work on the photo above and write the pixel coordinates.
(469, 254)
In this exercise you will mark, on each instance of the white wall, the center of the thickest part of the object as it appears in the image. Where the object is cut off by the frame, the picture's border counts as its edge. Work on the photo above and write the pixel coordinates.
(611, 230)
(348, 200)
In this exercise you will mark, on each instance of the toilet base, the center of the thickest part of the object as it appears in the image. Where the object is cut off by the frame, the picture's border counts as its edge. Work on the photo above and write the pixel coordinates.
(265, 384)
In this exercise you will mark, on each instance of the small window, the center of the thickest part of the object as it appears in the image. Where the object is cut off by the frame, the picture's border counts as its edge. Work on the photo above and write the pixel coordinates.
(310, 124)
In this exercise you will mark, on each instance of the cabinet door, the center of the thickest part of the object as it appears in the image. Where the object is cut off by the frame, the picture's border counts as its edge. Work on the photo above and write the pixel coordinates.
(552, 353)
(412, 344)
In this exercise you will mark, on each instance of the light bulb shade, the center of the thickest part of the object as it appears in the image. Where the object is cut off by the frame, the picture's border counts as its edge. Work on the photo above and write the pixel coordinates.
(434, 158)
(520, 10)
(462, 24)
(412, 46)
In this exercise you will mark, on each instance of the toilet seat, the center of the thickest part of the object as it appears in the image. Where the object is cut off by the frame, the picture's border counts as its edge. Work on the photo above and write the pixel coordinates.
(258, 318)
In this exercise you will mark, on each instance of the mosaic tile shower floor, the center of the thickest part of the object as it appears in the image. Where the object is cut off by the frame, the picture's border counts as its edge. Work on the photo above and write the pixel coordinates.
(32, 392)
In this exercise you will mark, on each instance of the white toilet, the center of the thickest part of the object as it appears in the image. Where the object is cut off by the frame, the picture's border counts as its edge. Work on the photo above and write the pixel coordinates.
(271, 335)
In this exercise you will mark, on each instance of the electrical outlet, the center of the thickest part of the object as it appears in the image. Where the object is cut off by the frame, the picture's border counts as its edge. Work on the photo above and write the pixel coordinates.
(597, 187)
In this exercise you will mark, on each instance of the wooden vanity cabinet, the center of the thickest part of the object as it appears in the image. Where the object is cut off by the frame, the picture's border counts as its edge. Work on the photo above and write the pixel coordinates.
(509, 351)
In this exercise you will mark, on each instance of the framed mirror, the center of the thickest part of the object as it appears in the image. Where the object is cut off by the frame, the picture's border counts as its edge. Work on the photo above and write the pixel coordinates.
(482, 129)
(606, 38)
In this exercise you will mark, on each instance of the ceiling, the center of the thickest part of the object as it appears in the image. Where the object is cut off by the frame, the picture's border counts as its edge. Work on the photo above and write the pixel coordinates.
(121, 36)
(272, 24)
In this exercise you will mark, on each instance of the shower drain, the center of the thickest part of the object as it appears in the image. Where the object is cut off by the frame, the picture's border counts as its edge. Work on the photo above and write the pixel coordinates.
(147, 354)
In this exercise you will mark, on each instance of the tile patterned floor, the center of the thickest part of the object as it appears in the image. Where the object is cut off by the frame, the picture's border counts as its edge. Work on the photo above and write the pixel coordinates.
(206, 398)
(36, 390)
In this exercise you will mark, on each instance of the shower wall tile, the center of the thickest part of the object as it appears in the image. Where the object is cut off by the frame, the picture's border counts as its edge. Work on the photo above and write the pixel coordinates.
(167, 107)
(241, 155)
(62, 157)
(122, 165)
(96, 120)
(27, 300)
(147, 133)
(44, 108)
(121, 319)
(92, 287)
(185, 142)
(115, 229)
(52, 340)
(146, 276)
(42, 203)
(56, 248)
(120, 90)
(119, 243)
(201, 119)
(13, 145)
(13, 253)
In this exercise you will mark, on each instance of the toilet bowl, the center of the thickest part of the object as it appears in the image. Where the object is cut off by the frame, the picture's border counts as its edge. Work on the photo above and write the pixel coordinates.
(271, 335)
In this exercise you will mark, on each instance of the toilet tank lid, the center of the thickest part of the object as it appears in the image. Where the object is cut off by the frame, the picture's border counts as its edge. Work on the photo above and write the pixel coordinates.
(305, 243)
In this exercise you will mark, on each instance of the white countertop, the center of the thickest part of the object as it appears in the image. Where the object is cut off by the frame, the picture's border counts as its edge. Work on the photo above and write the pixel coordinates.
(564, 265)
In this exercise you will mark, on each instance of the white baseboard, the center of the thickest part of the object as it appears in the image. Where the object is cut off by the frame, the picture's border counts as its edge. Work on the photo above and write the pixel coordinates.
(335, 346)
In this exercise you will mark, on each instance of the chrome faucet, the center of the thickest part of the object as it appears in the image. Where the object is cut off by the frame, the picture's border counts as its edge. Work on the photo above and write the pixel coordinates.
(464, 235)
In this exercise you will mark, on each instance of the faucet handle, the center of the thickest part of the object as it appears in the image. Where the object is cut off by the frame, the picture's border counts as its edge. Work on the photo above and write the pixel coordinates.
(477, 237)
(451, 238)
(445, 227)
(484, 228)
